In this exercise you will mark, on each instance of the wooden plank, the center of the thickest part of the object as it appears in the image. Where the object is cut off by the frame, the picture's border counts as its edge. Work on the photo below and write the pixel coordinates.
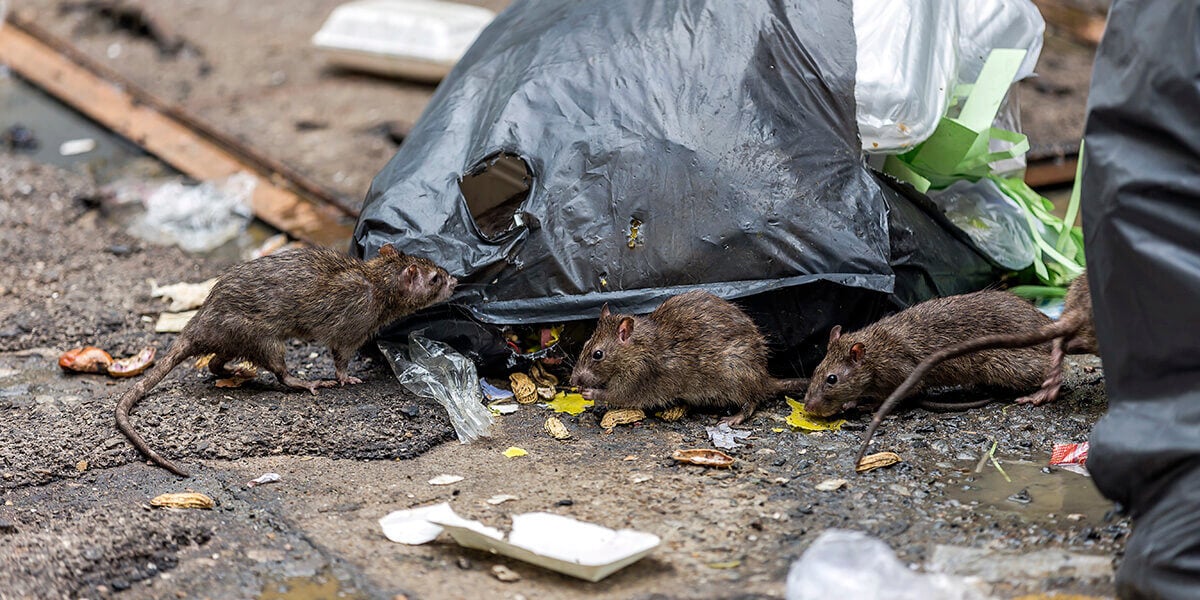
(173, 142)
(1056, 171)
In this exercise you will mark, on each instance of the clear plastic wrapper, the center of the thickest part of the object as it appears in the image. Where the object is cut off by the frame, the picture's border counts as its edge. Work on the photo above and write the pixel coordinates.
(991, 219)
(852, 564)
(434, 370)
(197, 218)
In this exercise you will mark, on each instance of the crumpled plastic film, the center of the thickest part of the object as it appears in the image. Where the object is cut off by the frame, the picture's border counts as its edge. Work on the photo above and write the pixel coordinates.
(434, 370)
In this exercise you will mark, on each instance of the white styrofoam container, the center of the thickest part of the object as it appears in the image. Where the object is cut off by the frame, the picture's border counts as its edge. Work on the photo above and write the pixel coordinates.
(414, 39)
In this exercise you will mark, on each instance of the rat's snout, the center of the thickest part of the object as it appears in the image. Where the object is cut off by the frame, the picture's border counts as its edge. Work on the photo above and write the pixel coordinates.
(815, 405)
(582, 377)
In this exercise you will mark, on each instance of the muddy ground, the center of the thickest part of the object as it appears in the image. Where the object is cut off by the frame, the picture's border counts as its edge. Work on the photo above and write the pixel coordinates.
(74, 518)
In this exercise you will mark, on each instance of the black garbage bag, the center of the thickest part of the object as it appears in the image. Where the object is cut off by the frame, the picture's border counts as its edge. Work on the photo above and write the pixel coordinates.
(1141, 217)
(623, 152)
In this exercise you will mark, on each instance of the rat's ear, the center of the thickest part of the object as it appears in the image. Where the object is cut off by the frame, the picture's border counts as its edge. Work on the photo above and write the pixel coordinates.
(857, 351)
(835, 333)
(388, 250)
(625, 330)
(410, 275)
(604, 311)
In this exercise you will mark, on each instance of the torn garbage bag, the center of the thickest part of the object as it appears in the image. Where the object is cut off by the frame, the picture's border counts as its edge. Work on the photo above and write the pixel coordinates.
(624, 152)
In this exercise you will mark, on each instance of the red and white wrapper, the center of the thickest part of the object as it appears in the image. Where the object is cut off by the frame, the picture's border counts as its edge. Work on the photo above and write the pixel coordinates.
(1069, 454)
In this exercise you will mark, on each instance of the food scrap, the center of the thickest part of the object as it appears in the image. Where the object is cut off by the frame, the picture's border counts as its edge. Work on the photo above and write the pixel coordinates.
(556, 429)
(801, 419)
(88, 359)
(704, 457)
(183, 500)
(523, 387)
(514, 452)
(621, 416)
(876, 461)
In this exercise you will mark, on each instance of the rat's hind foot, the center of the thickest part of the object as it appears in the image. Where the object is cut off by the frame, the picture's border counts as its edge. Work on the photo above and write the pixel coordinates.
(1048, 393)
(301, 384)
(343, 378)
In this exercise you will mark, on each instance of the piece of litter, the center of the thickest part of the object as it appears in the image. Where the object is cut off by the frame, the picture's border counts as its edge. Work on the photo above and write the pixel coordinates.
(173, 322)
(74, 147)
(493, 393)
(641, 478)
(830, 485)
(801, 419)
(133, 365)
(1071, 457)
(724, 436)
(88, 359)
(513, 452)
(556, 429)
(572, 404)
(505, 574)
(621, 416)
(523, 387)
(733, 564)
(445, 479)
(502, 409)
(703, 457)
(501, 499)
(182, 296)
(183, 500)
(412, 526)
(264, 478)
(81, 466)
(674, 413)
(876, 461)
(577, 548)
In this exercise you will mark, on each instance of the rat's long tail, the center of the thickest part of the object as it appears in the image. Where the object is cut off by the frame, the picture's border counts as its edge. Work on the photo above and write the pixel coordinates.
(798, 385)
(1045, 334)
(178, 353)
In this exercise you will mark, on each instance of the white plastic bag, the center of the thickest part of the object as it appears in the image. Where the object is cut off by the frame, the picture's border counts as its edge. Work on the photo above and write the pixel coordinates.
(913, 53)
(434, 370)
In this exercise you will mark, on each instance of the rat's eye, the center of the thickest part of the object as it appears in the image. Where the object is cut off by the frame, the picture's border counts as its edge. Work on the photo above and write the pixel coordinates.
(437, 277)
(832, 379)
(598, 355)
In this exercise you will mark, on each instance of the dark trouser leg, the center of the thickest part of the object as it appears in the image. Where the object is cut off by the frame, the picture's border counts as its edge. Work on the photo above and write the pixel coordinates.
(1141, 193)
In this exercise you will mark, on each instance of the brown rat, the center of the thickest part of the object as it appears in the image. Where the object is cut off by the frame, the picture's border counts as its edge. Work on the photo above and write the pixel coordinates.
(695, 349)
(1073, 333)
(862, 367)
(312, 294)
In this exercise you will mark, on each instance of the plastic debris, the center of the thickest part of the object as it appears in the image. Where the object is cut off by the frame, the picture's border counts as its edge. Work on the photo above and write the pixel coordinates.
(513, 452)
(183, 500)
(640, 478)
(88, 359)
(133, 365)
(572, 404)
(197, 218)
(621, 416)
(493, 393)
(724, 436)
(523, 387)
(674, 413)
(995, 222)
(703, 457)
(501, 408)
(559, 543)
(1071, 457)
(74, 147)
(445, 479)
(876, 461)
(501, 499)
(556, 429)
(851, 564)
(505, 574)
(800, 419)
(182, 296)
(415, 39)
(830, 485)
(264, 478)
(434, 370)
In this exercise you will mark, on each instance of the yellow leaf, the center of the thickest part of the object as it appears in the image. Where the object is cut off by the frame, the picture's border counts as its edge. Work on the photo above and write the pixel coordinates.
(733, 564)
(800, 419)
(514, 452)
(572, 404)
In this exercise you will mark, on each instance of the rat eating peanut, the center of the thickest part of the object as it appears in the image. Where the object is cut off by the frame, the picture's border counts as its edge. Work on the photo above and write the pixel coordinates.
(695, 349)
(311, 294)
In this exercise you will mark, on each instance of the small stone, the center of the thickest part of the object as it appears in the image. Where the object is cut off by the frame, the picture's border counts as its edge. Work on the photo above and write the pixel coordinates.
(7, 527)
(463, 563)
(505, 574)
(119, 250)
(120, 585)
(565, 502)
(411, 410)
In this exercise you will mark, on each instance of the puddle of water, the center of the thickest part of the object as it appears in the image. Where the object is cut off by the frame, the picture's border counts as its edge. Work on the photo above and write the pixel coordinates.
(316, 587)
(53, 123)
(113, 158)
(1032, 494)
